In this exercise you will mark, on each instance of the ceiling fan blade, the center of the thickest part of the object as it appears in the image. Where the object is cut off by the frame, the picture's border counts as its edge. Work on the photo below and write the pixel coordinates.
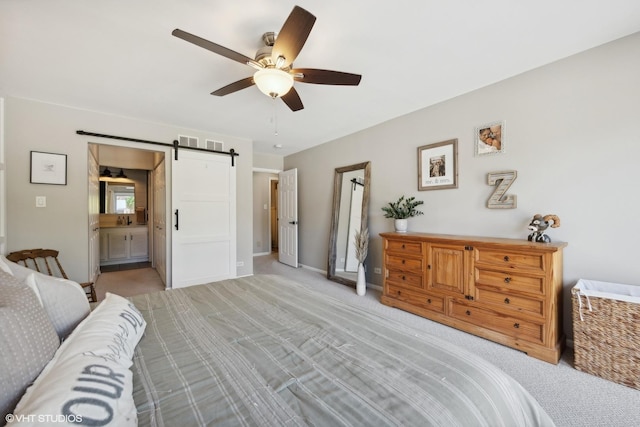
(292, 36)
(234, 87)
(325, 77)
(215, 48)
(292, 99)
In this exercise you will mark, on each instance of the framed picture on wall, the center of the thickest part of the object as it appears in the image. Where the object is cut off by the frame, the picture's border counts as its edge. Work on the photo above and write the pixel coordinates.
(48, 168)
(489, 138)
(438, 166)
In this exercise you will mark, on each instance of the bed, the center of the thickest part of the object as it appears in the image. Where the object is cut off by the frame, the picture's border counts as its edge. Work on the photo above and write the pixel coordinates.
(264, 350)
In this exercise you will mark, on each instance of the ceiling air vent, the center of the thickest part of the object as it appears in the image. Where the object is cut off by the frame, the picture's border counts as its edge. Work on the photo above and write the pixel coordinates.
(187, 141)
(214, 145)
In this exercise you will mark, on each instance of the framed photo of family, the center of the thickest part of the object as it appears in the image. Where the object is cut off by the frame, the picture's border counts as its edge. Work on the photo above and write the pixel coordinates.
(438, 166)
(48, 168)
(490, 138)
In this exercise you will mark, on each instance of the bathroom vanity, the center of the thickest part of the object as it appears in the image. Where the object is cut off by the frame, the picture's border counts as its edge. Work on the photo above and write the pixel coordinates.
(124, 244)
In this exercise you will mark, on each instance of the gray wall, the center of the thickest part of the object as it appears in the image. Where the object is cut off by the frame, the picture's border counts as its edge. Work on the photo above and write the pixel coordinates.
(271, 162)
(63, 224)
(572, 135)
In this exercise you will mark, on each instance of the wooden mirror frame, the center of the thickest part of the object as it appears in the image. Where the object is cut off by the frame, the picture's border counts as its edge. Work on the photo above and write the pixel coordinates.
(337, 195)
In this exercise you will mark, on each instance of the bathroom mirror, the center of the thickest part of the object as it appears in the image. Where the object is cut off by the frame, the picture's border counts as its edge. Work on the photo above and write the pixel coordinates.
(349, 214)
(117, 197)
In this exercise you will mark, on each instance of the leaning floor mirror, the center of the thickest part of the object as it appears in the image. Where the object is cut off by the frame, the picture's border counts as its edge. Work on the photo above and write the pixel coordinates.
(349, 215)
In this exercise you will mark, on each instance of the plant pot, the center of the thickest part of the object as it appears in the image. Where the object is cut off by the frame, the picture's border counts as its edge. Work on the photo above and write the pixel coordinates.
(361, 284)
(401, 225)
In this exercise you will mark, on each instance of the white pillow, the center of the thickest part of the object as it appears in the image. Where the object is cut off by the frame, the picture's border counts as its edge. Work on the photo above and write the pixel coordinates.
(3, 265)
(88, 381)
(64, 301)
(18, 271)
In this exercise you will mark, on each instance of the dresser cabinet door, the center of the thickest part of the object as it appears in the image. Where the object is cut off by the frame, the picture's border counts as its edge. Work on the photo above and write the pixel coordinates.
(446, 269)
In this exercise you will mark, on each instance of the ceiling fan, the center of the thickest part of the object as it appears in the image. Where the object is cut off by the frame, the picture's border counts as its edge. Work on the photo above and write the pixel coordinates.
(273, 62)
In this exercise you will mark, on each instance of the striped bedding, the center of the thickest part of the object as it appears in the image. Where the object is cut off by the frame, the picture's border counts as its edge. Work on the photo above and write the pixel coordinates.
(265, 351)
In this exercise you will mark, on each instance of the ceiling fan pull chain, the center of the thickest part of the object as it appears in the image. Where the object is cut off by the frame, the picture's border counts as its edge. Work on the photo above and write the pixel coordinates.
(275, 118)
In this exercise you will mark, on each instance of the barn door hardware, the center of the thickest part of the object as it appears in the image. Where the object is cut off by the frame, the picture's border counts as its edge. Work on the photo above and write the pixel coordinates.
(232, 153)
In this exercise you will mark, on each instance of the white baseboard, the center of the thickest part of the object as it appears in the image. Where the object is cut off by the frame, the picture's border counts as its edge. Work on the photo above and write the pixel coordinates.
(262, 254)
(313, 269)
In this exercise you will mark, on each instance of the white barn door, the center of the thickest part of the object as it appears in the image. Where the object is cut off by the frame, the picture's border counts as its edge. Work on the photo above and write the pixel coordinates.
(288, 217)
(204, 218)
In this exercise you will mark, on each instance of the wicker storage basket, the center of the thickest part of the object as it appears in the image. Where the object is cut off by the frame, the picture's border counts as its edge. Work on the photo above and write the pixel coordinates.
(606, 331)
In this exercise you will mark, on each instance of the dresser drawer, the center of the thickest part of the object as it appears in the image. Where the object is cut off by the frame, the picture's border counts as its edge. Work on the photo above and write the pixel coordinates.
(400, 246)
(508, 280)
(507, 325)
(508, 259)
(400, 262)
(421, 299)
(508, 302)
(405, 279)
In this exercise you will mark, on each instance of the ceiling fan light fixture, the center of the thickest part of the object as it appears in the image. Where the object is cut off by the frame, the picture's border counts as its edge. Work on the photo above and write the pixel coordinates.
(273, 82)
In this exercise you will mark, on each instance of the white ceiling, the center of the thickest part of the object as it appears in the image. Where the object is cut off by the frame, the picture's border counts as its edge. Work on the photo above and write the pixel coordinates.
(118, 56)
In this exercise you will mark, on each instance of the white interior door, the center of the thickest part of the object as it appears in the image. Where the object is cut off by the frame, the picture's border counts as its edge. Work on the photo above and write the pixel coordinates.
(159, 216)
(204, 218)
(288, 217)
(94, 213)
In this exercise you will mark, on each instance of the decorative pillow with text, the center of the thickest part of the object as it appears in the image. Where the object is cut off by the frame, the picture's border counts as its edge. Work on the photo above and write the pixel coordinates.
(88, 382)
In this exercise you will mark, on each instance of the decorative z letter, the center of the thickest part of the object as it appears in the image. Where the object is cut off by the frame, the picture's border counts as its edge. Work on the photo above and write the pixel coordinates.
(502, 181)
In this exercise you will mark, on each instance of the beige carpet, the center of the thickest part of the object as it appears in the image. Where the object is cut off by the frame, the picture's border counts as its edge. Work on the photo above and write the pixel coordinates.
(128, 283)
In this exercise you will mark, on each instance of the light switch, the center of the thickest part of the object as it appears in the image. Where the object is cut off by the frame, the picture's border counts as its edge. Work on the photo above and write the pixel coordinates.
(41, 201)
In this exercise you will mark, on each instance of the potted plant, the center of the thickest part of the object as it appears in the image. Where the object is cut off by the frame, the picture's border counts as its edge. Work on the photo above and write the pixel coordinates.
(401, 210)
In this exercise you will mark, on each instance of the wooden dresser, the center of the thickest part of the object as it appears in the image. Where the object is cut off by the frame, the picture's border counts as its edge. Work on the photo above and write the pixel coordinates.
(506, 290)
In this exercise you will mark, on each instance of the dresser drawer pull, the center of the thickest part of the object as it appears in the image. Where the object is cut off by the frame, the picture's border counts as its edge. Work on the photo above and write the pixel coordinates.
(403, 261)
(428, 300)
(403, 246)
(468, 313)
(516, 325)
(507, 279)
(404, 278)
(506, 301)
(506, 258)
(398, 293)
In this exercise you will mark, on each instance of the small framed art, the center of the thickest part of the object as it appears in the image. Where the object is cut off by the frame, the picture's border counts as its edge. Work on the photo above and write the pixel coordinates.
(438, 166)
(490, 138)
(48, 168)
